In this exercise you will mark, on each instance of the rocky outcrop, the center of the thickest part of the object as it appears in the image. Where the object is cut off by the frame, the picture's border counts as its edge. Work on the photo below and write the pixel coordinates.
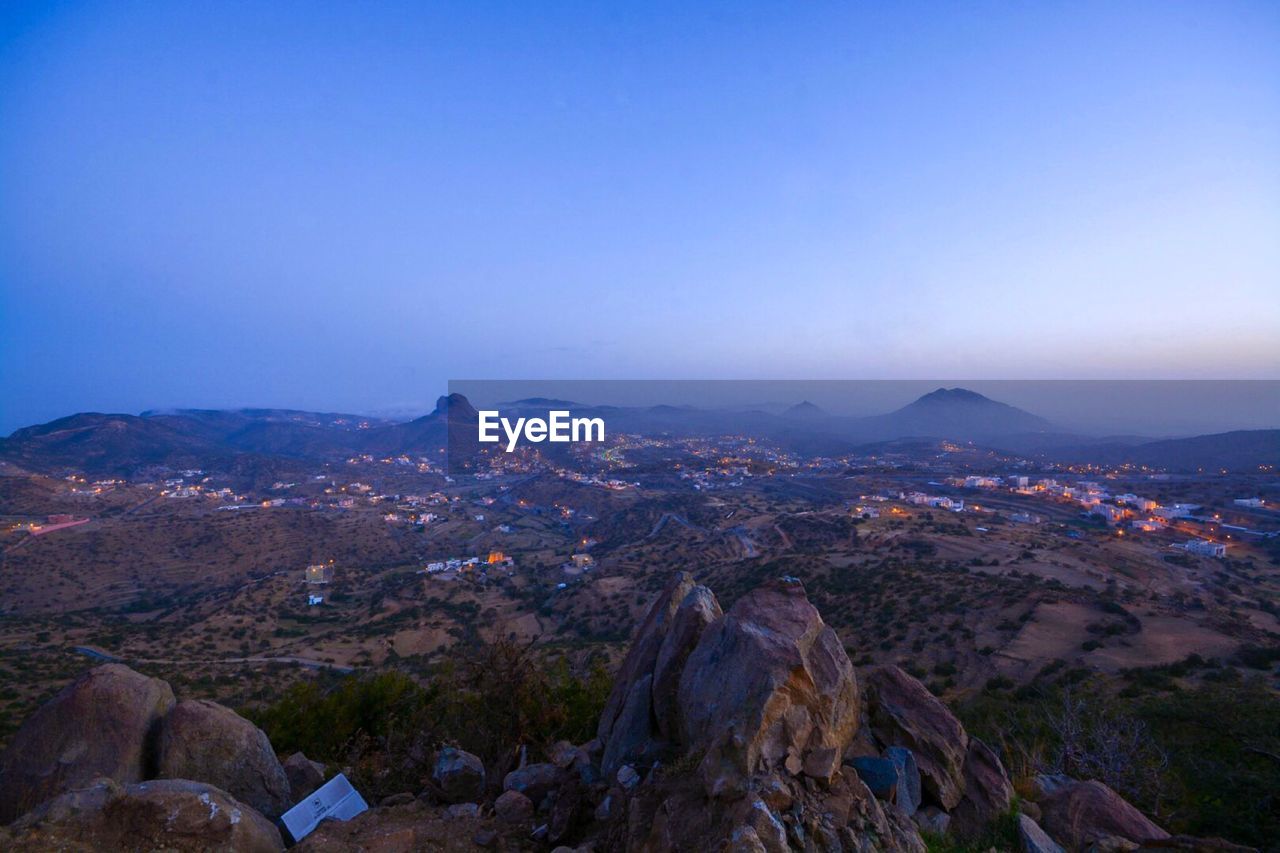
(987, 791)
(168, 814)
(459, 774)
(769, 688)
(904, 762)
(206, 741)
(640, 719)
(304, 775)
(1078, 814)
(1033, 839)
(101, 725)
(905, 713)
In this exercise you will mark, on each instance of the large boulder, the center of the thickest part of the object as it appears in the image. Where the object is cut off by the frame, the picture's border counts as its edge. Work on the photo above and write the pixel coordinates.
(1033, 839)
(304, 775)
(1078, 814)
(640, 718)
(101, 725)
(905, 713)
(459, 774)
(904, 762)
(208, 742)
(165, 814)
(987, 791)
(535, 781)
(767, 689)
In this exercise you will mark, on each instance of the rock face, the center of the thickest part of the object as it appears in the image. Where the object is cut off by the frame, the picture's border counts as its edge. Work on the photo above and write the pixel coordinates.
(1078, 814)
(768, 687)
(207, 741)
(101, 725)
(1033, 839)
(167, 814)
(304, 775)
(905, 713)
(459, 774)
(987, 790)
(640, 718)
(904, 761)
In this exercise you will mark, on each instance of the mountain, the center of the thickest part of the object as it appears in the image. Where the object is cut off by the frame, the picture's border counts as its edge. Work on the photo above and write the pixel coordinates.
(454, 420)
(1239, 451)
(108, 444)
(954, 413)
(804, 410)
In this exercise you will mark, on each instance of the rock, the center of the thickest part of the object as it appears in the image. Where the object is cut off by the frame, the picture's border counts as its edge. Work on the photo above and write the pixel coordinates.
(768, 688)
(905, 713)
(904, 762)
(565, 755)
(770, 831)
(101, 725)
(631, 737)
(535, 781)
(1078, 814)
(485, 838)
(987, 791)
(643, 652)
(513, 807)
(401, 799)
(210, 743)
(627, 777)
(639, 719)
(458, 811)
(933, 820)
(565, 810)
(1033, 839)
(304, 775)
(165, 814)
(880, 775)
(1030, 809)
(459, 775)
(698, 609)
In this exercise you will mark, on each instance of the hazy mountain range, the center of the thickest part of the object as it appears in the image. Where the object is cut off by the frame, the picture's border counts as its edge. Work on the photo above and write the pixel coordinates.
(121, 444)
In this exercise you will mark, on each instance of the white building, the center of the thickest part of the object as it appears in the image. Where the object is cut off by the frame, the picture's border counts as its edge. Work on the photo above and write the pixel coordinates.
(1252, 503)
(1204, 548)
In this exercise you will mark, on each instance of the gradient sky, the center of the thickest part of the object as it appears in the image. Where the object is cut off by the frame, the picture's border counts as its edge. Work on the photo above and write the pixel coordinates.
(342, 206)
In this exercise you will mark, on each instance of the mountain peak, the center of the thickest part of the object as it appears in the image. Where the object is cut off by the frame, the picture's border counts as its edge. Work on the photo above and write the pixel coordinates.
(804, 409)
(953, 395)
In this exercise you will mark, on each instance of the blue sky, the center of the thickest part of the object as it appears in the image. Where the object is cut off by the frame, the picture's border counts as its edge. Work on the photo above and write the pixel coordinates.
(342, 206)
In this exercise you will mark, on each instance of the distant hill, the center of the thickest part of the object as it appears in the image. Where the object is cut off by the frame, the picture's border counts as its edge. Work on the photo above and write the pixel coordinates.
(1239, 451)
(805, 410)
(954, 413)
(114, 444)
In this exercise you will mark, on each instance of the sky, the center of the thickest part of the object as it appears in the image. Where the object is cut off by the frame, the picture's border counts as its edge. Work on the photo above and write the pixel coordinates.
(343, 206)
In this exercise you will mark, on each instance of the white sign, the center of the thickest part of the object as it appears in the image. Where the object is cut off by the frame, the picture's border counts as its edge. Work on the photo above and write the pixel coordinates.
(335, 798)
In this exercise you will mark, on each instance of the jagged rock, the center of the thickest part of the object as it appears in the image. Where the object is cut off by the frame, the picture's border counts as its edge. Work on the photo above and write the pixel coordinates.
(632, 734)
(304, 775)
(627, 777)
(933, 820)
(987, 791)
(101, 725)
(905, 713)
(640, 718)
(1033, 839)
(770, 831)
(513, 807)
(535, 781)
(165, 814)
(643, 652)
(904, 762)
(880, 775)
(459, 774)
(768, 688)
(210, 743)
(566, 809)
(696, 611)
(1078, 814)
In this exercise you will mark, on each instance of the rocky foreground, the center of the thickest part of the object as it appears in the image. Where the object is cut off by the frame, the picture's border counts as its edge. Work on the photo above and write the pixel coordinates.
(741, 731)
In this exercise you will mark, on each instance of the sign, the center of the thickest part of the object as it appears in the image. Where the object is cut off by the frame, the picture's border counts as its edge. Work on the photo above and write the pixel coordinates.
(334, 799)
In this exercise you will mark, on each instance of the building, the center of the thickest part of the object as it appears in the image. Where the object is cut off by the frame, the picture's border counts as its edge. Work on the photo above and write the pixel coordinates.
(320, 573)
(314, 598)
(1204, 548)
(582, 561)
(1251, 503)
(1110, 513)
